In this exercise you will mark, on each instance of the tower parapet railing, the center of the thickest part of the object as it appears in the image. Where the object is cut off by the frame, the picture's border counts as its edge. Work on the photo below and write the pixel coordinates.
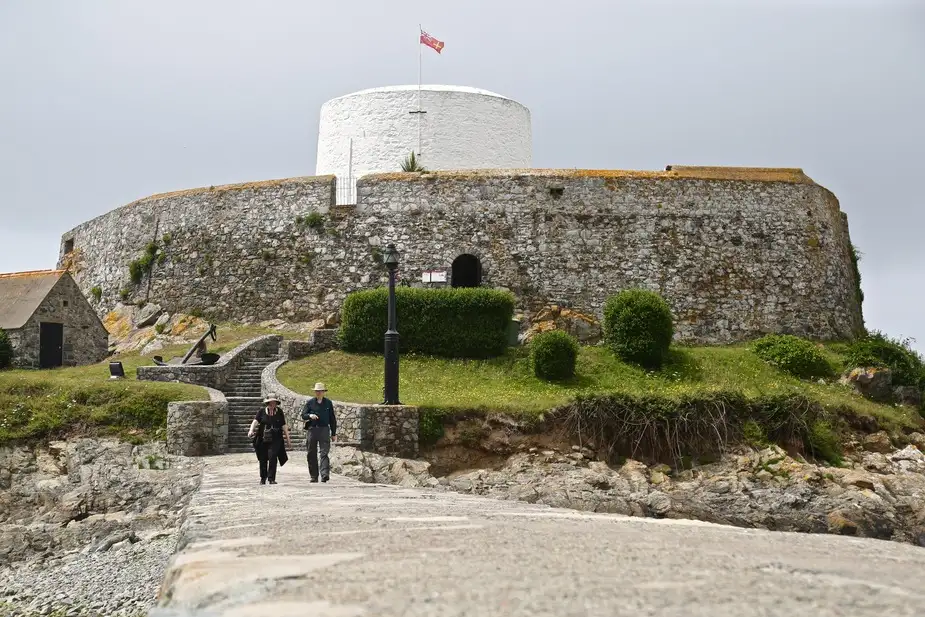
(346, 191)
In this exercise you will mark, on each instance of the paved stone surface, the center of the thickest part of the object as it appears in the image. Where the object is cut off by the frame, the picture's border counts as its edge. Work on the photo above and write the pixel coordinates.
(348, 549)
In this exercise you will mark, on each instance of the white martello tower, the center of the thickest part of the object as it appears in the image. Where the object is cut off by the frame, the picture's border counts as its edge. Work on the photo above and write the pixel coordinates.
(447, 127)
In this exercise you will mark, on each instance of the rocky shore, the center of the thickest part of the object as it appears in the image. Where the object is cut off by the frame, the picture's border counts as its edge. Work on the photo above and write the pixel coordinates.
(87, 526)
(881, 494)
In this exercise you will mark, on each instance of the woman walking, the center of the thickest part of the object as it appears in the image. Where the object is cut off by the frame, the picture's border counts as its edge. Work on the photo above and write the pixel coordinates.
(270, 436)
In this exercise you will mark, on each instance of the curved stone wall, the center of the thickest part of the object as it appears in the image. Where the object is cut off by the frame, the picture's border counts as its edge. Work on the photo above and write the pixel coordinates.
(736, 252)
(198, 428)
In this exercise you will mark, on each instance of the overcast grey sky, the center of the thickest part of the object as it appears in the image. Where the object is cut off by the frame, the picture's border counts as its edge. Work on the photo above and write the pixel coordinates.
(103, 102)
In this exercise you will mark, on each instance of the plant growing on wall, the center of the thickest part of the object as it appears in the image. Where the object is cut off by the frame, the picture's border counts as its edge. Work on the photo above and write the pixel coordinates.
(855, 258)
(138, 268)
(410, 164)
(313, 220)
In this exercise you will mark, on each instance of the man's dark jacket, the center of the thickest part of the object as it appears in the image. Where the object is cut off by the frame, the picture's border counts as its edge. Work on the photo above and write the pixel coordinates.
(325, 412)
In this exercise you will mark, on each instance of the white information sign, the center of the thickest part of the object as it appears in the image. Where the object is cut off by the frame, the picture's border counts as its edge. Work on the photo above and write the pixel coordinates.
(433, 276)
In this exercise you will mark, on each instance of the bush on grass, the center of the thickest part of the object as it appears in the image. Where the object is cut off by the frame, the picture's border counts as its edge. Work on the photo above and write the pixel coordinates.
(793, 355)
(878, 350)
(638, 327)
(553, 355)
(451, 323)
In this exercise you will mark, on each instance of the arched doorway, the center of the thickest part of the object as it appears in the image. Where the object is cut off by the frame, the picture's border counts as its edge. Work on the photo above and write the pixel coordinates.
(467, 271)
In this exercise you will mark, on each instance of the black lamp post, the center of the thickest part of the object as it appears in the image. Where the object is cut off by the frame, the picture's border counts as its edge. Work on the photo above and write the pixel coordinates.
(391, 335)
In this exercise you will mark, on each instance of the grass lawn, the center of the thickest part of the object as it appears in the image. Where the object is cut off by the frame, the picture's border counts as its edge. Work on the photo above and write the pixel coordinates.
(507, 384)
(83, 400)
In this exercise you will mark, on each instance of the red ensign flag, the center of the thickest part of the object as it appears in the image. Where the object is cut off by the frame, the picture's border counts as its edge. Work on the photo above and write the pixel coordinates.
(431, 42)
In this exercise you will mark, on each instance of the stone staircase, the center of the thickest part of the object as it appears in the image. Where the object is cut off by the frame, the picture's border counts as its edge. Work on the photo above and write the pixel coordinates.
(244, 400)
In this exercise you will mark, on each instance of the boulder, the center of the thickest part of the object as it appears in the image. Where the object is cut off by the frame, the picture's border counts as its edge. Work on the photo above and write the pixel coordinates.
(150, 348)
(875, 384)
(583, 327)
(878, 442)
(908, 395)
(148, 315)
(162, 321)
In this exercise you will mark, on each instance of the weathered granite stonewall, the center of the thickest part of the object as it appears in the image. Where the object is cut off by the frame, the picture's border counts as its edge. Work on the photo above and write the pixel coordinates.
(198, 428)
(736, 252)
(85, 339)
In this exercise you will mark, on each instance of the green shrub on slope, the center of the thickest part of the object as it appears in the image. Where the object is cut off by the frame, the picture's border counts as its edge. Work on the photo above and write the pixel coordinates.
(638, 327)
(793, 355)
(553, 355)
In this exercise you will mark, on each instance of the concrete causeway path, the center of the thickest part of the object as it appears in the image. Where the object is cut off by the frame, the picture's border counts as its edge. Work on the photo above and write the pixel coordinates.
(346, 549)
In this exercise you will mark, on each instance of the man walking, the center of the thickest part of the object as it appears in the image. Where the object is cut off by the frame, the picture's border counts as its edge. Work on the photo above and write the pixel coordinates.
(321, 426)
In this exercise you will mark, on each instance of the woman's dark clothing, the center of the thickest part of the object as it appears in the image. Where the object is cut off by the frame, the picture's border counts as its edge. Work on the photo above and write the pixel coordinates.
(269, 444)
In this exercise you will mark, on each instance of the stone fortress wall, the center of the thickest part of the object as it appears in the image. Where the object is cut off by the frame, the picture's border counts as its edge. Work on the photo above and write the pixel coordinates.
(736, 252)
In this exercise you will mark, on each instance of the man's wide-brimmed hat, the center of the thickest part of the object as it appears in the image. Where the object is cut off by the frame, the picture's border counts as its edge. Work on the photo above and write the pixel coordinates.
(320, 387)
(271, 397)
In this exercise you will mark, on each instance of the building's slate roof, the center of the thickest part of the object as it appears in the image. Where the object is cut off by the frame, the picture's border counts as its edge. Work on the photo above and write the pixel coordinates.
(21, 293)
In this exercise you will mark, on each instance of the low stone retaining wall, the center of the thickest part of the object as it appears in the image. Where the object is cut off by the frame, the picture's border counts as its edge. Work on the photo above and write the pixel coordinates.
(387, 429)
(318, 340)
(198, 428)
(216, 375)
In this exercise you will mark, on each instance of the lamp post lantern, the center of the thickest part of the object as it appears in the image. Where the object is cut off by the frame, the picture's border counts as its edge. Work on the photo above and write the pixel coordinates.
(391, 335)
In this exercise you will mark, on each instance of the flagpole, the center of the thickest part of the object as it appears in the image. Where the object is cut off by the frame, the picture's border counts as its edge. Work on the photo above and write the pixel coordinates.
(420, 64)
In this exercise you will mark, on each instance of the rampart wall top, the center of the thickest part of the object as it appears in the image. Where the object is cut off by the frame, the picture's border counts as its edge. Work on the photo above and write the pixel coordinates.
(736, 251)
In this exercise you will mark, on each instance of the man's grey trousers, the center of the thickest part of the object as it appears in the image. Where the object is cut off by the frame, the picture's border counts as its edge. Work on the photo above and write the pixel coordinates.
(319, 438)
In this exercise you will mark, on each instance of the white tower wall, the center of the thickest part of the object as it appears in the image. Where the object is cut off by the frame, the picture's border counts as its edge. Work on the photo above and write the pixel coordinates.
(373, 131)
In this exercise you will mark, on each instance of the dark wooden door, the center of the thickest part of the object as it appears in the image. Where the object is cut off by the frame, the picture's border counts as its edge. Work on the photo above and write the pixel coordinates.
(51, 345)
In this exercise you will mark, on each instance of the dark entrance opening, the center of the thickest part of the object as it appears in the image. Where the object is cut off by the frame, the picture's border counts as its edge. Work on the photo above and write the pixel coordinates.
(467, 271)
(51, 345)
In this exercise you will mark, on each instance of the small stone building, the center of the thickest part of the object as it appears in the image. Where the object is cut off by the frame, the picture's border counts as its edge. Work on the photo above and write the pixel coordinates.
(49, 321)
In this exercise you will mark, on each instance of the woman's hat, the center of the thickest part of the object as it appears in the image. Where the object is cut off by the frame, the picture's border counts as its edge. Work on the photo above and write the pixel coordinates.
(319, 387)
(271, 397)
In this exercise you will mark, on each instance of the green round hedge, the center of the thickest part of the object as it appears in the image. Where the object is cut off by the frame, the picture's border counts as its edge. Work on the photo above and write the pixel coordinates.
(791, 354)
(638, 327)
(553, 355)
